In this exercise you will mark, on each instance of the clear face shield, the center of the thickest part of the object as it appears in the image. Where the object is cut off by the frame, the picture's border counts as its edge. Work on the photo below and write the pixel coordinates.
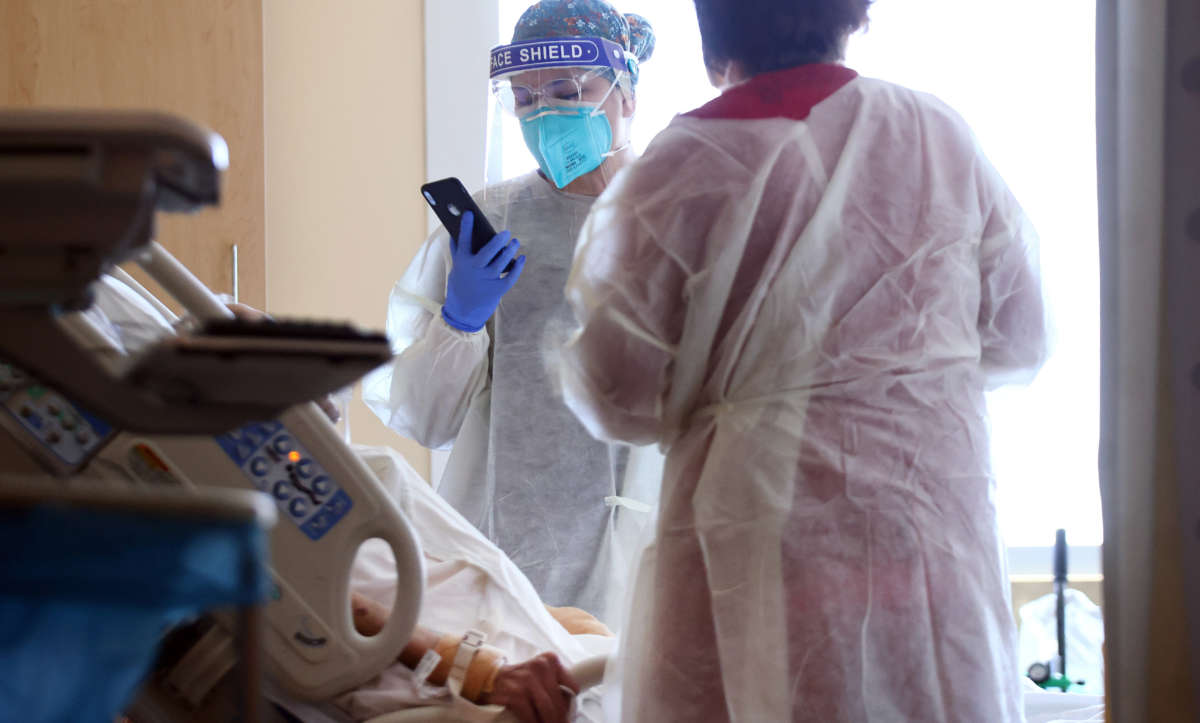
(559, 107)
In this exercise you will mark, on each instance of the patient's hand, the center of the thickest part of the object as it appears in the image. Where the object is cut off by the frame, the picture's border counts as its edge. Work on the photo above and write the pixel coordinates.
(579, 622)
(247, 313)
(531, 690)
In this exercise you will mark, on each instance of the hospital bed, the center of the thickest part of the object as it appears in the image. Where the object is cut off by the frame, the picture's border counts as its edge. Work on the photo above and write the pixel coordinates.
(220, 408)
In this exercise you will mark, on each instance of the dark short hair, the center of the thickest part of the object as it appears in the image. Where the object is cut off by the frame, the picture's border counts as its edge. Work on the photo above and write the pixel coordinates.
(767, 35)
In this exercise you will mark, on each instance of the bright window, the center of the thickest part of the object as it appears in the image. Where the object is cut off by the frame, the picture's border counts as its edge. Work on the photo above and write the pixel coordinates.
(1022, 74)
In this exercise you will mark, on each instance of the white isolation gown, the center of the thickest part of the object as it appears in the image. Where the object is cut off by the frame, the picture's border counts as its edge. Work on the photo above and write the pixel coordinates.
(801, 292)
(565, 507)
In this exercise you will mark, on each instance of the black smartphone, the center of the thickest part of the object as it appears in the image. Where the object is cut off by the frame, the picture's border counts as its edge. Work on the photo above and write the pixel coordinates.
(450, 200)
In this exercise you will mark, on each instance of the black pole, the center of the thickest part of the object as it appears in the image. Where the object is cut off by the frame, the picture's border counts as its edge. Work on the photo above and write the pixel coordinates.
(1060, 585)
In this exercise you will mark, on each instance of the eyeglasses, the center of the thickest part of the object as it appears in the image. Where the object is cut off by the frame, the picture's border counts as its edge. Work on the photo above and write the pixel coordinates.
(589, 88)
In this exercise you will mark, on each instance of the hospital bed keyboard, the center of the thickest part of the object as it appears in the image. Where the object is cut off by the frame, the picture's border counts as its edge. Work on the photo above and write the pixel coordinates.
(240, 361)
(289, 329)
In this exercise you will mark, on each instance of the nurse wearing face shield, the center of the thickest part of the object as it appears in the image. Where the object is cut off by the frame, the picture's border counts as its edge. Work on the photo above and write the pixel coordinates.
(471, 337)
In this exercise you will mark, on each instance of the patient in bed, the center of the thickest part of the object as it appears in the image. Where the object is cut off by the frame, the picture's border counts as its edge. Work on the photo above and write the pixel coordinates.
(470, 584)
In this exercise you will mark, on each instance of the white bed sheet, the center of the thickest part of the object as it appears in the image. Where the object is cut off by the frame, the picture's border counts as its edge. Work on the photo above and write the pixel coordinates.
(1042, 706)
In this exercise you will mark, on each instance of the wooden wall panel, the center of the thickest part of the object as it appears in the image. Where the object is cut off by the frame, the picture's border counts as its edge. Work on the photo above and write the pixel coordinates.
(201, 59)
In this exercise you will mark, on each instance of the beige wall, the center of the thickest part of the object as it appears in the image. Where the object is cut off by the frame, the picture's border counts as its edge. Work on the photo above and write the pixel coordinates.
(345, 155)
(200, 60)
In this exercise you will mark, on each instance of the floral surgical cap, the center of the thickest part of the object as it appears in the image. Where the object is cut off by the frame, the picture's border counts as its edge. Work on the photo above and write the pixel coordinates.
(597, 18)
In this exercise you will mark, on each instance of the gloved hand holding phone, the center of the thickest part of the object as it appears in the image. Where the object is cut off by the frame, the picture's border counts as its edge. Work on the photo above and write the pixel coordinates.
(478, 280)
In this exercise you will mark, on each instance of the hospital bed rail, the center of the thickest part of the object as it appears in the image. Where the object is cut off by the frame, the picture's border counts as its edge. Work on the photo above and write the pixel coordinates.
(62, 542)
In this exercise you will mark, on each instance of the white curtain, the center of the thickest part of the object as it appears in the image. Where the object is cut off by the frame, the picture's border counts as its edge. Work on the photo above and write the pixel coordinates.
(1148, 113)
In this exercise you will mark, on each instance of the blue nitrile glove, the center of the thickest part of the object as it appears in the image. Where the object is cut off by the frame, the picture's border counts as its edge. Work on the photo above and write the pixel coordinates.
(477, 281)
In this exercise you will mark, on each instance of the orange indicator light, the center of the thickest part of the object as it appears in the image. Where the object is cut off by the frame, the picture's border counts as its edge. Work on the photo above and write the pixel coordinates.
(293, 456)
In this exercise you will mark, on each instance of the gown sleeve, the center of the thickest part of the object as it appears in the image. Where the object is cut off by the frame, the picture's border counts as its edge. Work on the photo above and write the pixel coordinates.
(425, 391)
(627, 294)
(1012, 315)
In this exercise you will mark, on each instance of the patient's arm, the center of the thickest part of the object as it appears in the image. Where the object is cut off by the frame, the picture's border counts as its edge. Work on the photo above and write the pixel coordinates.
(532, 690)
(579, 622)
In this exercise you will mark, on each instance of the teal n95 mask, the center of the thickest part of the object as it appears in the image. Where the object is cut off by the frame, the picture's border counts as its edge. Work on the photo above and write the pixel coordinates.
(567, 142)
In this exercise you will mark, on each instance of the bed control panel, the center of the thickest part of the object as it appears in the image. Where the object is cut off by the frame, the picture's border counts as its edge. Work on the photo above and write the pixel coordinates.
(277, 464)
(61, 434)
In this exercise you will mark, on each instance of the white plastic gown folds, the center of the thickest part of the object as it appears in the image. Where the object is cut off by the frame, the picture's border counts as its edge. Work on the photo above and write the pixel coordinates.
(565, 507)
(805, 315)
